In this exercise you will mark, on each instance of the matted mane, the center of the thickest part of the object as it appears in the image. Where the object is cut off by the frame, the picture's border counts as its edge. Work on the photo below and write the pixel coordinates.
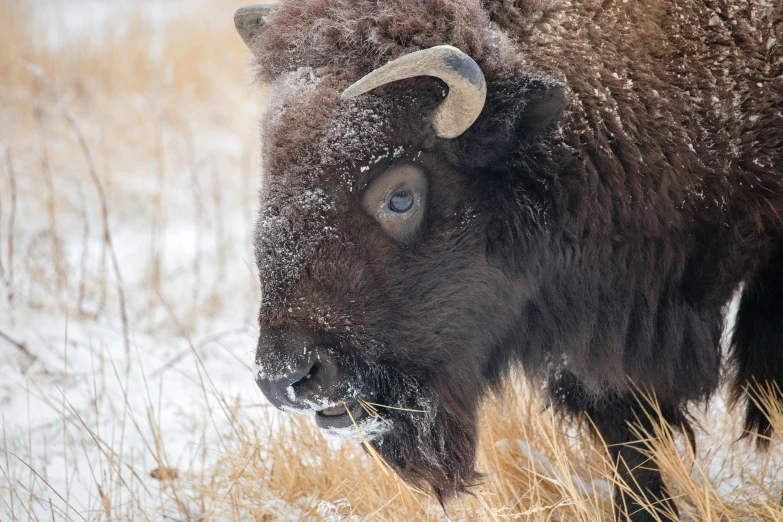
(332, 34)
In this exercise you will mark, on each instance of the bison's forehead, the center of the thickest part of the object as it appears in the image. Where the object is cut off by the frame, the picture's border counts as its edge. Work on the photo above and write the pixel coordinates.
(313, 139)
(318, 153)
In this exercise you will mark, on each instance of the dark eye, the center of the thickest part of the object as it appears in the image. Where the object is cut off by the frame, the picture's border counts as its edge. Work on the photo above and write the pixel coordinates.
(401, 202)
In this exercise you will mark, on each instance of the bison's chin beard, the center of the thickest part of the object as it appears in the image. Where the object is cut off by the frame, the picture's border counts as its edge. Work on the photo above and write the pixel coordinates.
(434, 449)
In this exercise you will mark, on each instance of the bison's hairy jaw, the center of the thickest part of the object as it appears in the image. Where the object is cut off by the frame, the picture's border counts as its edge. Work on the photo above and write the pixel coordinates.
(433, 427)
(433, 448)
(422, 421)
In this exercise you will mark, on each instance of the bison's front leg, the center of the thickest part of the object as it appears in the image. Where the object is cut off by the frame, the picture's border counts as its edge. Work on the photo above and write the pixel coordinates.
(644, 496)
(646, 493)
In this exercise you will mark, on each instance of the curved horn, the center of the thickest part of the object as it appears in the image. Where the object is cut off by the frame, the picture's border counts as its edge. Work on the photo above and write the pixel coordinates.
(249, 19)
(467, 87)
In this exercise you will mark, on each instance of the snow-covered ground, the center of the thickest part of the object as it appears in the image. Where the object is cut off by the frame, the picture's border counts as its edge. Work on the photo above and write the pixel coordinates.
(76, 395)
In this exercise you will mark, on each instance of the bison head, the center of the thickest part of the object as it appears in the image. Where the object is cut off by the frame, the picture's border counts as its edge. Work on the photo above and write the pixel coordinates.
(392, 243)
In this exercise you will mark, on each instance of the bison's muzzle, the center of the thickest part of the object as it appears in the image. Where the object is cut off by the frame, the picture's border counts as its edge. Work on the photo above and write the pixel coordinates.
(301, 372)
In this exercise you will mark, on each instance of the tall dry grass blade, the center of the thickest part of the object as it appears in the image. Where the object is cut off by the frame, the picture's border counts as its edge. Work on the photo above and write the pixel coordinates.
(105, 500)
(85, 249)
(62, 411)
(31, 485)
(220, 235)
(486, 507)
(158, 217)
(199, 211)
(394, 407)
(22, 347)
(11, 225)
(372, 412)
(8, 467)
(51, 205)
(2, 265)
(51, 488)
(370, 449)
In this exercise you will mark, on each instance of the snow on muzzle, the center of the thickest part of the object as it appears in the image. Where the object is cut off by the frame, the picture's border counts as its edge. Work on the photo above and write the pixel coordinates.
(300, 372)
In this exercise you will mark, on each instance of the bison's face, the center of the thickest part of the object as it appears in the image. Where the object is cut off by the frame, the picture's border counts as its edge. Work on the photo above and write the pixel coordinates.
(384, 301)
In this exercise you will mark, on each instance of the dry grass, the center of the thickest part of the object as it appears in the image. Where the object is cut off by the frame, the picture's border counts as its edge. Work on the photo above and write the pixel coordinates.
(141, 144)
(537, 469)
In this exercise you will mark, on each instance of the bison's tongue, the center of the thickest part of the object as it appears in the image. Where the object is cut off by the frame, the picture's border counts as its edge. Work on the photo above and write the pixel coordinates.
(335, 410)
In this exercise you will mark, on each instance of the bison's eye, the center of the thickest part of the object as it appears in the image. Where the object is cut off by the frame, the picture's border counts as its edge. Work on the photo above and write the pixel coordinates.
(401, 202)
(397, 198)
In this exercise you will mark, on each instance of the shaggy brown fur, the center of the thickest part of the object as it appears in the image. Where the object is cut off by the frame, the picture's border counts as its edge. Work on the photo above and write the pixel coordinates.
(623, 180)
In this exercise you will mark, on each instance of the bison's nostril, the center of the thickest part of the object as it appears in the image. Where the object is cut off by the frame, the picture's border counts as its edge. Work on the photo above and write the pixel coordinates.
(311, 373)
(304, 379)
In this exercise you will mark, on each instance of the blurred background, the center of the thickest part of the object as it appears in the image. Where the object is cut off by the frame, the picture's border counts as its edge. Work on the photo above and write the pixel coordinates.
(129, 169)
(128, 176)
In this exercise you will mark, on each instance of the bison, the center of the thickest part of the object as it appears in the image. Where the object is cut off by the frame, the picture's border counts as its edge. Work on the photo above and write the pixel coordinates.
(454, 188)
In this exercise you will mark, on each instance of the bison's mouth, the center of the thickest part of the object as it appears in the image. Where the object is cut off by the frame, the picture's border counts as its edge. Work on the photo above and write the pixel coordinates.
(342, 416)
(351, 421)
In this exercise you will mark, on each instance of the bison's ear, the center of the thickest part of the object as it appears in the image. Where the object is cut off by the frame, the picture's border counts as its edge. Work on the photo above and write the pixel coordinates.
(249, 20)
(516, 113)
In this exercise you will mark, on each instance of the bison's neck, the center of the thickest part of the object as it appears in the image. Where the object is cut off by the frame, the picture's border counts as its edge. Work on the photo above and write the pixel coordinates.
(676, 108)
(668, 186)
